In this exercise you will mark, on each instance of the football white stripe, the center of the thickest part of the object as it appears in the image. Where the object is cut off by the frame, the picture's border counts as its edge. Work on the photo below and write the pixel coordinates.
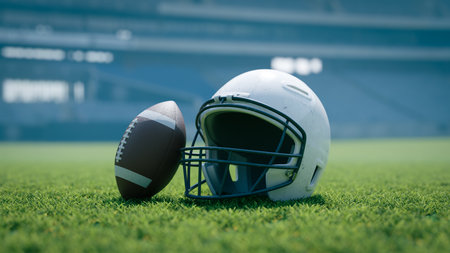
(158, 117)
(132, 176)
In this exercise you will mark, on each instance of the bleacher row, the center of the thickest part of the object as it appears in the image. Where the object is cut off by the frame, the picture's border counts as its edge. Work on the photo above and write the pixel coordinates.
(385, 63)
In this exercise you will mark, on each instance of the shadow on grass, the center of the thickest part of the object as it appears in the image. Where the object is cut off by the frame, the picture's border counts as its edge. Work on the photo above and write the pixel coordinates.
(250, 202)
(235, 203)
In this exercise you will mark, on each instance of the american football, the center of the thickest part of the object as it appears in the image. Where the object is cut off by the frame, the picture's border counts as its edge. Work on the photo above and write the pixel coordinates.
(149, 151)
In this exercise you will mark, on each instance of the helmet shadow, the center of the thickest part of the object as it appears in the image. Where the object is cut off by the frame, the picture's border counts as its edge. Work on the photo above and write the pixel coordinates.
(253, 202)
(244, 203)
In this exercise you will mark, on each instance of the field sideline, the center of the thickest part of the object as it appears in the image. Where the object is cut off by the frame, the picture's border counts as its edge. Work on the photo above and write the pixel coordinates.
(387, 195)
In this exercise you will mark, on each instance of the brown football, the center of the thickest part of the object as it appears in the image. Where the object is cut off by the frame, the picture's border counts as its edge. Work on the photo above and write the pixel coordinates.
(149, 151)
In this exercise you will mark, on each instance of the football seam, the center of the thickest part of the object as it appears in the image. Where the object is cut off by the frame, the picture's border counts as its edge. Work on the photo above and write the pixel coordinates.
(123, 141)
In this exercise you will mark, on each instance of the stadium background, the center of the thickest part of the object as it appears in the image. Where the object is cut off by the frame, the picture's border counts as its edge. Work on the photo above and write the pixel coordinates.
(81, 70)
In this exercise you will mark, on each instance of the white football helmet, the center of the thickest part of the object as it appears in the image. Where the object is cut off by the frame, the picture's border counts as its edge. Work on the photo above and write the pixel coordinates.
(264, 132)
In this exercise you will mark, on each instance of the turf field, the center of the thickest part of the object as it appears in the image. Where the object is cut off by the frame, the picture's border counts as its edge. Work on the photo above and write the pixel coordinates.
(375, 196)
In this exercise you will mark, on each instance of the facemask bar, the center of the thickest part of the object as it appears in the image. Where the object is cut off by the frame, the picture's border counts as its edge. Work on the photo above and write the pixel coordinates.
(196, 157)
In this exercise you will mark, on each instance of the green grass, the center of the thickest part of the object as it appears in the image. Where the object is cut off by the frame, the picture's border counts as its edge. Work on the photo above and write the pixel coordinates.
(375, 196)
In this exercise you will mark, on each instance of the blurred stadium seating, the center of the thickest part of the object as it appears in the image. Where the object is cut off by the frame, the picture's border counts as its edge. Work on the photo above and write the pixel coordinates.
(81, 70)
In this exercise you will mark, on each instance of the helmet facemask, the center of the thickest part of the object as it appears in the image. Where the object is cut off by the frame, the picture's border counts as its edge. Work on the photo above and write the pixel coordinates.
(243, 141)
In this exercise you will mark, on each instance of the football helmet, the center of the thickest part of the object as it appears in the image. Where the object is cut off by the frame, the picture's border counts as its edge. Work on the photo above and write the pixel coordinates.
(264, 132)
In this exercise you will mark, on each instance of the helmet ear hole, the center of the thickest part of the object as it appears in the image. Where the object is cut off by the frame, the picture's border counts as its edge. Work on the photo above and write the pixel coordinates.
(315, 176)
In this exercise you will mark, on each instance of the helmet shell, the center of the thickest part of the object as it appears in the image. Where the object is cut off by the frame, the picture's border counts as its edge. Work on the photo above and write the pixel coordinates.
(291, 96)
